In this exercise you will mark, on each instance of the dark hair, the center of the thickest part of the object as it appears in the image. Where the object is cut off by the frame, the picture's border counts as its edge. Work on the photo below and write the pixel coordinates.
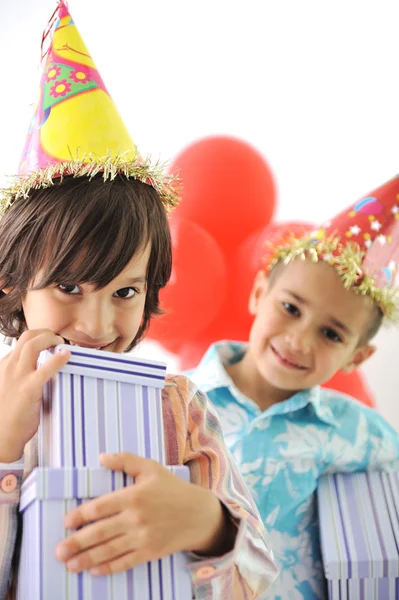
(376, 319)
(71, 228)
(376, 314)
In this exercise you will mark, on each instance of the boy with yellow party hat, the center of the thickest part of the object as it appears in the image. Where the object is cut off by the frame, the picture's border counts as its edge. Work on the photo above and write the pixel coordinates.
(317, 304)
(85, 248)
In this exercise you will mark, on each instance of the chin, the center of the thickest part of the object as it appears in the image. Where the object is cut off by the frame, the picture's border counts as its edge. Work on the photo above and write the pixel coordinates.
(285, 383)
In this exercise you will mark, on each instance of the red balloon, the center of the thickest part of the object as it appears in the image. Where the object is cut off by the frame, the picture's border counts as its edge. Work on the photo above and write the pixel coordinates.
(191, 353)
(196, 290)
(228, 189)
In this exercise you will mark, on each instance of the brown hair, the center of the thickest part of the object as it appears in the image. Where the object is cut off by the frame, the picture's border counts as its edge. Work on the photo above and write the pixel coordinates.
(81, 230)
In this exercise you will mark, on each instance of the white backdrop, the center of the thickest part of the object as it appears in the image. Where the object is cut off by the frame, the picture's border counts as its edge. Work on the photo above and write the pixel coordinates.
(313, 85)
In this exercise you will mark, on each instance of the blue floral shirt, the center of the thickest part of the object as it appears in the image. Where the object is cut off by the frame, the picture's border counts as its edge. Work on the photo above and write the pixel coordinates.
(282, 452)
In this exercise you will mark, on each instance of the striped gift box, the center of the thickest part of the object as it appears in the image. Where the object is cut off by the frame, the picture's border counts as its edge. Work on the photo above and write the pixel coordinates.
(359, 529)
(47, 495)
(101, 402)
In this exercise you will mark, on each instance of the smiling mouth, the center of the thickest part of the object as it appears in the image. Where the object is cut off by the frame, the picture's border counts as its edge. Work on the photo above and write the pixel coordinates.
(87, 346)
(288, 363)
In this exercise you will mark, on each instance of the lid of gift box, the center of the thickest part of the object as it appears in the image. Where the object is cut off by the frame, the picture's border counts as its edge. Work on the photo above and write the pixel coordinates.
(359, 525)
(78, 483)
(125, 368)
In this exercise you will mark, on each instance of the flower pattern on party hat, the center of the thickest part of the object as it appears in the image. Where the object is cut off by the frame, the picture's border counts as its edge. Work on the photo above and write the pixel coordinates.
(362, 243)
(76, 128)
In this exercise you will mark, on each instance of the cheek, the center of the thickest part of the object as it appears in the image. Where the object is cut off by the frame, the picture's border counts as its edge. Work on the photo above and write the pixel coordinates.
(329, 359)
(324, 359)
(41, 312)
(267, 324)
(130, 320)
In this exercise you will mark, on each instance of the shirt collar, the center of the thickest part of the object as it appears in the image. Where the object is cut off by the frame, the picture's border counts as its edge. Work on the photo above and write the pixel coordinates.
(212, 370)
(211, 374)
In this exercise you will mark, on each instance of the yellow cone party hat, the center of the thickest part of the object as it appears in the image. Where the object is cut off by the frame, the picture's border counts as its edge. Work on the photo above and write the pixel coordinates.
(76, 128)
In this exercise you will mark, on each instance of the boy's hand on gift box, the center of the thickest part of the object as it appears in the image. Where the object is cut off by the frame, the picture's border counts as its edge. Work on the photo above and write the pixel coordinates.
(159, 515)
(21, 387)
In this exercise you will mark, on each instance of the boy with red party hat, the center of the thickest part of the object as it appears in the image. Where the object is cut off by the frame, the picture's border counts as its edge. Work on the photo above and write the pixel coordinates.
(317, 305)
(85, 248)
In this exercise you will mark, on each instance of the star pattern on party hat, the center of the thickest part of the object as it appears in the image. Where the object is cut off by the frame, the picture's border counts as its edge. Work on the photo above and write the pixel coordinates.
(362, 243)
(76, 128)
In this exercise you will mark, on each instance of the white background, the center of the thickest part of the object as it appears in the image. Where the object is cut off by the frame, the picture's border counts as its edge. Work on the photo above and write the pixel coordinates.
(312, 84)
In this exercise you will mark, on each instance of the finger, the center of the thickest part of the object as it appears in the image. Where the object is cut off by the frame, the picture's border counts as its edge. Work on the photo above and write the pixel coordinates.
(122, 563)
(129, 463)
(28, 336)
(90, 536)
(102, 553)
(95, 510)
(29, 353)
(52, 366)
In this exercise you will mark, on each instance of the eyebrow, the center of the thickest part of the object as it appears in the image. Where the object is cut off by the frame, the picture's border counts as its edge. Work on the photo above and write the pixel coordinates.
(333, 320)
(134, 280)
(297, 298)
(341, 326)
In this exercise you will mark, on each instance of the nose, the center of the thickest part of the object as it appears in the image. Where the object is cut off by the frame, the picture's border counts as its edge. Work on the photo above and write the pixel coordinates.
(299, 339)
(94, 318)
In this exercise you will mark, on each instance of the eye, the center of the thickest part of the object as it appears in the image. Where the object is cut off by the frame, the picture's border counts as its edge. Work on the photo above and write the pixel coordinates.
(331, 335)
(69, 288)
(126, 293)
(291, 309)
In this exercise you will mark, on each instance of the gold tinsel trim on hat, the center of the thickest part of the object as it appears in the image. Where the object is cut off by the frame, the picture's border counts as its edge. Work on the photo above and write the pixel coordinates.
(347, 259)
(90, 166)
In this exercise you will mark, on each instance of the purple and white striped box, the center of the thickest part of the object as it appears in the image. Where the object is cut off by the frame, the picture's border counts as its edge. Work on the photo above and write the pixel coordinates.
(359, 530)
(101, 402)
(47, 495)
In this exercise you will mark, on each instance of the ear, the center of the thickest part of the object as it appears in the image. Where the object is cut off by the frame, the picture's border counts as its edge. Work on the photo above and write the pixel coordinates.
(358, 358)
(259, 287)
(6, 290)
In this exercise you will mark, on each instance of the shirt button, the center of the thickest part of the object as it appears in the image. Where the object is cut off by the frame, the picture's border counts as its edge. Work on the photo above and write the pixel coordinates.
(9, 483)
(205, 572)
